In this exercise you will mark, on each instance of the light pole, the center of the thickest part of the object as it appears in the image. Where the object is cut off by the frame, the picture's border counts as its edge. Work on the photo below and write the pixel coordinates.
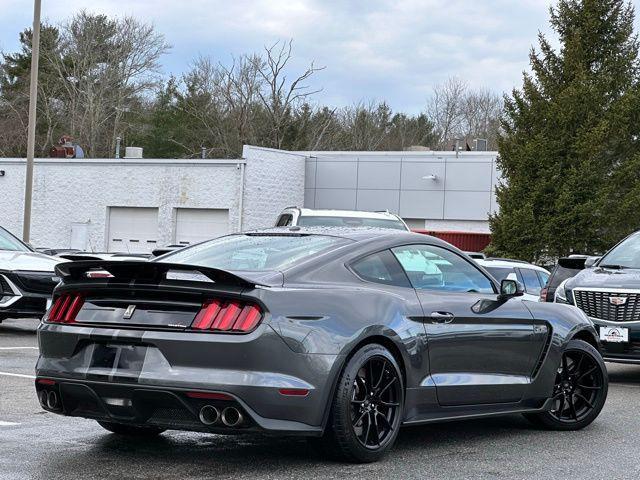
(31, 132)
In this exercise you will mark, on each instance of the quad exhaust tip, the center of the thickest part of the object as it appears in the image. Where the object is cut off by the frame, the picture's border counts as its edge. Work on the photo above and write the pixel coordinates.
(209, 414)
(42, 396)
(231, 417)
(52, 400)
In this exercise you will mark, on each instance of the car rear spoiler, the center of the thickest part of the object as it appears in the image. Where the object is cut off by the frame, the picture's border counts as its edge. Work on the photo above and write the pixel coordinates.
(152, 272)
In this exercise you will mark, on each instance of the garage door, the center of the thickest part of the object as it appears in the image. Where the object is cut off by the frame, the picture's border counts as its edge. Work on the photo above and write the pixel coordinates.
(194, 225)
(132, 229)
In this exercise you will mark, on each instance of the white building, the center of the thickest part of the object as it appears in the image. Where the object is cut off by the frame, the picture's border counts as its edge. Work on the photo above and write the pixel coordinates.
(134, 205)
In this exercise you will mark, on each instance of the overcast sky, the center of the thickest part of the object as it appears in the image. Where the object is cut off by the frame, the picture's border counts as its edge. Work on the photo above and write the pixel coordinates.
(372, 49)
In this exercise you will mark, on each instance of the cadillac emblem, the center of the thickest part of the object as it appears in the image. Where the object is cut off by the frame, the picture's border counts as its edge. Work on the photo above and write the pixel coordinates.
(617, 301)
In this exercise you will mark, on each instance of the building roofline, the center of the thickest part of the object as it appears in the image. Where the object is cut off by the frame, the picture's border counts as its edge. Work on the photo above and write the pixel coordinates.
(125, 161)
(402, 153)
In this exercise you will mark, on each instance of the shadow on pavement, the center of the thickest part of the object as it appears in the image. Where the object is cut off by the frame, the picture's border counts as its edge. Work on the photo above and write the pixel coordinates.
(21, 326)
(186, 455)
(629, 374)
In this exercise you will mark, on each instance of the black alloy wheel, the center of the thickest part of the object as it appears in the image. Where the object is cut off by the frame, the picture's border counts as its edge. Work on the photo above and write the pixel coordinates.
(375, 402)
(367, 408)
(580, 389)
(578, 384)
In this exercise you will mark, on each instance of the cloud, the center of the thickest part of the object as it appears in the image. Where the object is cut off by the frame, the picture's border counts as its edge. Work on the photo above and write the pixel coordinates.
(384, 49)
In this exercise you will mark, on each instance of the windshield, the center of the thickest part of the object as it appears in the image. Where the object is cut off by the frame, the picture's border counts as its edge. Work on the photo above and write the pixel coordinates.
(254, 252)
(626, 254)
(11, 243)
(350, 222)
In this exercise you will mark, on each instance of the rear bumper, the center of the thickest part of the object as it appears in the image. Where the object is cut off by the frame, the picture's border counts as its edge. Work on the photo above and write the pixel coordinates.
(251, 368)
(171, 409)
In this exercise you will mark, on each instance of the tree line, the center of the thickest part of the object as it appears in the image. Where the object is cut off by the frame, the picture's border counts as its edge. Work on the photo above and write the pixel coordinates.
(100, 78)
(570, 138)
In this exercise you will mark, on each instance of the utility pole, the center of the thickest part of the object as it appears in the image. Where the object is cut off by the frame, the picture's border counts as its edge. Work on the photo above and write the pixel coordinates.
(31, 132)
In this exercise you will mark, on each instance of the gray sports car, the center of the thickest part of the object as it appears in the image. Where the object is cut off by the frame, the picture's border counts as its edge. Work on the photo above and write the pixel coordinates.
(344, 335)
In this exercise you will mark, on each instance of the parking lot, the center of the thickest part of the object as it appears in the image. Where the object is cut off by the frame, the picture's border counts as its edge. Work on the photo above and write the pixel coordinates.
(35, 444)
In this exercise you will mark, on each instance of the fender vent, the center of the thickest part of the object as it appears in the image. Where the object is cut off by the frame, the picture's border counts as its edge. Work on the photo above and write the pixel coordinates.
(543, 354)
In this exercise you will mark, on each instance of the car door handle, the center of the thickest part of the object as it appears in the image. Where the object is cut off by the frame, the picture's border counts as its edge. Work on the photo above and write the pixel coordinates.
(442, 317)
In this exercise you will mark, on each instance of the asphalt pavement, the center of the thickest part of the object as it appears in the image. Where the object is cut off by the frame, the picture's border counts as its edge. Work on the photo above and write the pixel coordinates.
(38, 445)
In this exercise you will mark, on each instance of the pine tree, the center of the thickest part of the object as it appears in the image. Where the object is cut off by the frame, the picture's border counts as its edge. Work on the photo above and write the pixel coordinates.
(570, 142)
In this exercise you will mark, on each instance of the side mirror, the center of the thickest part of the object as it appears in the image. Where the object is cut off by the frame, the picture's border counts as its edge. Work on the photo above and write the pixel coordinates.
(591, 261)
(510, 289)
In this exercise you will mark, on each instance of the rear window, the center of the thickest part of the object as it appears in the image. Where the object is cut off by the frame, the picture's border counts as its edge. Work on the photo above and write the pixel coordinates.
(560, 274)
(254, 252)
(350, 222)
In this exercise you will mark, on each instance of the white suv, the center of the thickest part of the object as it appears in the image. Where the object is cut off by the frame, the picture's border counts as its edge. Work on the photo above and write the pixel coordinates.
(307, 217)
(533, 278)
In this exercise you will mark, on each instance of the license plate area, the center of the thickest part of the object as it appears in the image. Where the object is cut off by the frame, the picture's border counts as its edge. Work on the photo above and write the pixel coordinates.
(119, 360)
(614, 334)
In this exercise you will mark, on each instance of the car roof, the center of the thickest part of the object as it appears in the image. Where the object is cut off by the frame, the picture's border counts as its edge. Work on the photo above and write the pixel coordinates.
(312, 212)
(509, 264)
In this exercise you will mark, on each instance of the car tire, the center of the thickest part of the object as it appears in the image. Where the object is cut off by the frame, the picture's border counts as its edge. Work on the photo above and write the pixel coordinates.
(344, 434)
(131, 430)
(552, 419)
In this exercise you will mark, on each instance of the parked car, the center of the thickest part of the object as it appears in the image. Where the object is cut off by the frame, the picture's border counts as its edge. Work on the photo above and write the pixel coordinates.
(27, 279)
(608, 291)
(476, 255)
(307, 217)
(158, 252)
(532, 277)
(345, 336)
(81, 256)
(55, 252)
(566, 267)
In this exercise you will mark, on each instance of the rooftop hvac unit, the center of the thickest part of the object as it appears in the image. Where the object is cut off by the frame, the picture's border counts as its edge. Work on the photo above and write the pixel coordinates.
(480, 144)
(133, 152)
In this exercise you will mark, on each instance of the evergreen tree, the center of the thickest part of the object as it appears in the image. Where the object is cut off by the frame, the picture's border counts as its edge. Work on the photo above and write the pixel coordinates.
(570, 142)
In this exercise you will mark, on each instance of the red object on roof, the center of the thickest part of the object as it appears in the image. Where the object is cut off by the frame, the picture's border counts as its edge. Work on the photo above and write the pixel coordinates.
(466, 241)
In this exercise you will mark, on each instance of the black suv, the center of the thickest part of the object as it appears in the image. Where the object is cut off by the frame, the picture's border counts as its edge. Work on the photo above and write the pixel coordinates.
(608, 291)
(566, 268)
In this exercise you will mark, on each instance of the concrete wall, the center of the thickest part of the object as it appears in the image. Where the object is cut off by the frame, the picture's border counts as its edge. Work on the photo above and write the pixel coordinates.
(275, 179)
(71, 191)
(461, 194)
(68, 191)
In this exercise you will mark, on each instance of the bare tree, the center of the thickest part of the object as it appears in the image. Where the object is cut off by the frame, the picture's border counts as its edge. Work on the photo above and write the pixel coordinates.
(445, 110)
(280, 97)
(104, 65)
(459, 112)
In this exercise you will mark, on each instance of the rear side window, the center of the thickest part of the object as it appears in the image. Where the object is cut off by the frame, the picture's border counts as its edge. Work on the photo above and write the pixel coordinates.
(285, 220)
(381, 267)
(544, 278)
(502, 273)
(531, 281)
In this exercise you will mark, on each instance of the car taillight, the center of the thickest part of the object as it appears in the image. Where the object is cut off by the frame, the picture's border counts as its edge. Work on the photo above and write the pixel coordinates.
(543, 294)
(66, 308)
(231, 316)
